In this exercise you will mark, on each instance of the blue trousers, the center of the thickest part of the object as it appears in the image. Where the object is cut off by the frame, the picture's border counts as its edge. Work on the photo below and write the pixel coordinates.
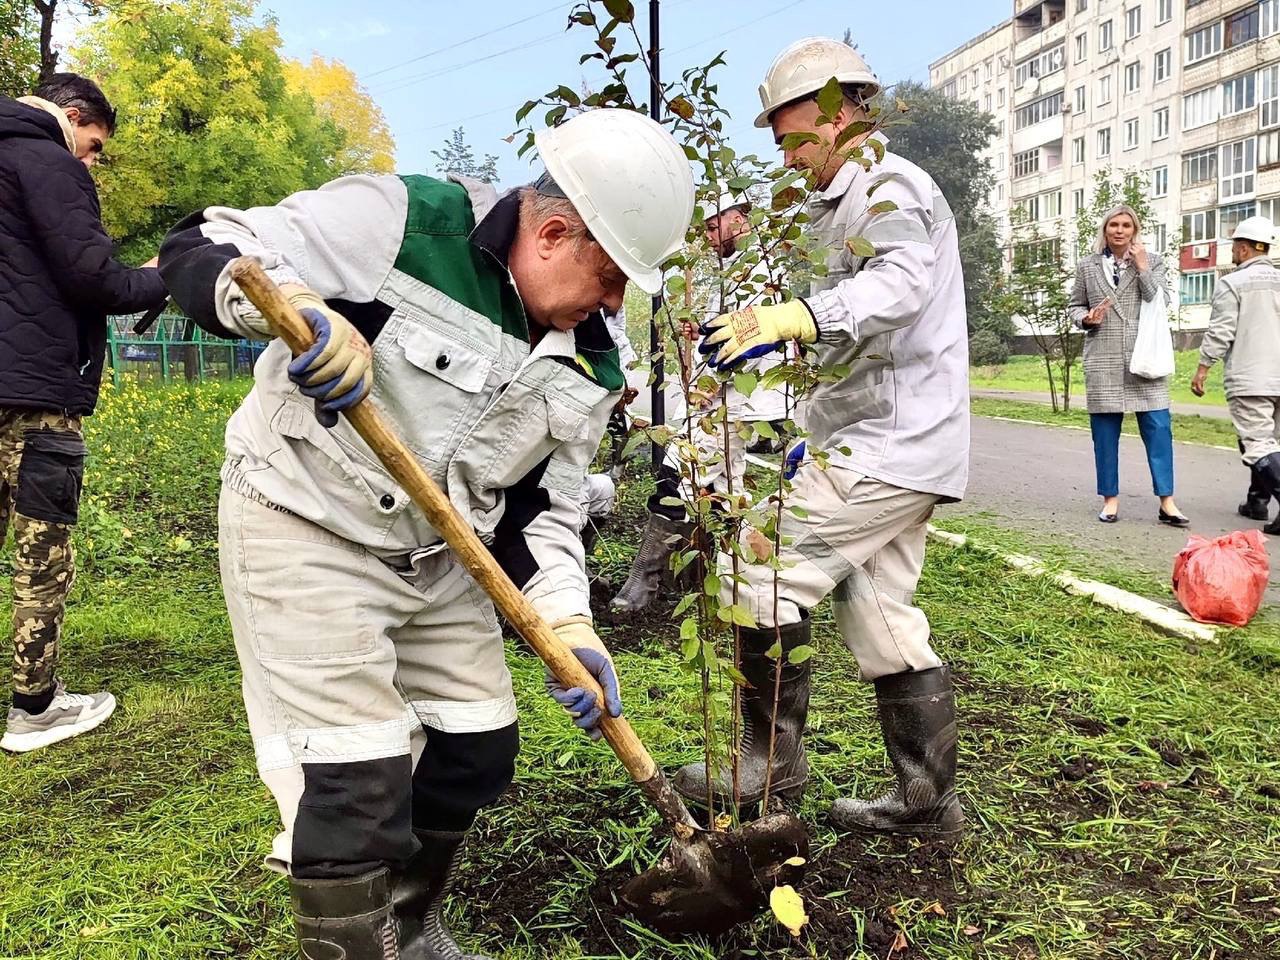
(1157, 436)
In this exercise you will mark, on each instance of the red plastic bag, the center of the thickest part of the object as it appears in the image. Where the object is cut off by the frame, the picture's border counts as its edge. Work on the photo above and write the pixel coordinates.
(1223, 580)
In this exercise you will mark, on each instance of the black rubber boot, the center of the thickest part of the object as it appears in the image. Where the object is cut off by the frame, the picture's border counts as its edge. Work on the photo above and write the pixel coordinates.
(1257, 502)
(918, 720)
(1267, 470)
(662, 537)
(790, 765)
(420, 893)
(345, 919)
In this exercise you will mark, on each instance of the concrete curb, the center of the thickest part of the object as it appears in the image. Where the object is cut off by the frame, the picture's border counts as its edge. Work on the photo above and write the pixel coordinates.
(1165, 619)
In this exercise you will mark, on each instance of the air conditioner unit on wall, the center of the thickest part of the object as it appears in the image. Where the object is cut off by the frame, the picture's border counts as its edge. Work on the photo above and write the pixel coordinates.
(1200, 251)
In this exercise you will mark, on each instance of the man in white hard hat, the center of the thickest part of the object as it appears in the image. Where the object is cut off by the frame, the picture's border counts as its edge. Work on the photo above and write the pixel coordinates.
(1244, 333)
(895, 431)
(378, 696)
(668, 526)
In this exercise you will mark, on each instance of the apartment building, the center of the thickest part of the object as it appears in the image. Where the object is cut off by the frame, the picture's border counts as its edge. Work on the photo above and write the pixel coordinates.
(1187, 92)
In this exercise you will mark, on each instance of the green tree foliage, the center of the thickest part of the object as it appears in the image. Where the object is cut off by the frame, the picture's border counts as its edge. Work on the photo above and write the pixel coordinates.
(947, 138)
(456, 156)
(1110, 189)
(19, 48)
(206, 116)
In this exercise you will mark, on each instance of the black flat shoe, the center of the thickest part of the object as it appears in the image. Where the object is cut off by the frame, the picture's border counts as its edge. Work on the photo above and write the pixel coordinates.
(1173, 519)
(1108, 517)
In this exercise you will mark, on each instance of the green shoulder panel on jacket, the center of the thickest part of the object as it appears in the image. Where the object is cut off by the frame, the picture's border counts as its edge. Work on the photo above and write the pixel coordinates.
(438, 251)
(604, 367)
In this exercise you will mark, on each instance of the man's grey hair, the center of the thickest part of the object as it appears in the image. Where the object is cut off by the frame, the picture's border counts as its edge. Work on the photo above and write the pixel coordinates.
(1101, 243)
(537, 208)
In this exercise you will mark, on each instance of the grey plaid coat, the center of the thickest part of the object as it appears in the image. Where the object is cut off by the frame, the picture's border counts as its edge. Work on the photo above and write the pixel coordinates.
(1109, 386)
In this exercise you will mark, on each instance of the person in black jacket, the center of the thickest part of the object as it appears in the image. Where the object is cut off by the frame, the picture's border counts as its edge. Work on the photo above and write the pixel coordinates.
(58, 281)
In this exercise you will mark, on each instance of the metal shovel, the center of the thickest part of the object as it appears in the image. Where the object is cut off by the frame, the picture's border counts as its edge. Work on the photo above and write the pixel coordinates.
(708, 881)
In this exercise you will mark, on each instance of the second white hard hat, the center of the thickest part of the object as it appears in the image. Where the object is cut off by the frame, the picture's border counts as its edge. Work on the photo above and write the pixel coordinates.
(1258, 229)
(629, 181)
(726, 202)
(805, 67)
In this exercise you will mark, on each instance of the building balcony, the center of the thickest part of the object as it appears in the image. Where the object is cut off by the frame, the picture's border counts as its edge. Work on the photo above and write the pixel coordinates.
(1037, 135)
(1041, 87)
(1033, 44)
(1201, 196)
(1210, 10)
(1268, 182)
(1041, 182)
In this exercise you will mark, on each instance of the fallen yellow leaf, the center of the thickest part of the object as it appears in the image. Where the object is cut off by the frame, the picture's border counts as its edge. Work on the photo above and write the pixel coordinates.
(724, 821)
(935, 907)
(899, 943)
(795, 862)
(788, 908)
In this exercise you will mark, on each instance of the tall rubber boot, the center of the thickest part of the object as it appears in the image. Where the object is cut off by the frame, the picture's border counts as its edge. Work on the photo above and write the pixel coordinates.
(918, 720)
(345, 919)
(420, 893)
(1268, 472)
(1257, 502)
(790, 765)
(662, 537)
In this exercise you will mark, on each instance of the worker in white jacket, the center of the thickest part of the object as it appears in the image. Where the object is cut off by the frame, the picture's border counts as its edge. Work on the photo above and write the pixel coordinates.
(896, 432)
(1244, 333)
(721, 452)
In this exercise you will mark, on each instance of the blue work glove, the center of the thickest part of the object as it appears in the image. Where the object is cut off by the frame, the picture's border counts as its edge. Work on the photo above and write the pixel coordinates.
(578, 636)
(794, 458)
(755, 331)
(338, 369)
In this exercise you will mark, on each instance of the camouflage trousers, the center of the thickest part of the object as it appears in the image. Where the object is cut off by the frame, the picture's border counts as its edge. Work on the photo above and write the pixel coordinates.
(41, 470)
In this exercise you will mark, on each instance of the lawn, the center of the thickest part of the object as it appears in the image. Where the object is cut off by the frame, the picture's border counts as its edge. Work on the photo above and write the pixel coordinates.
(1188, 428)
(1028, 374)
(1123, 787)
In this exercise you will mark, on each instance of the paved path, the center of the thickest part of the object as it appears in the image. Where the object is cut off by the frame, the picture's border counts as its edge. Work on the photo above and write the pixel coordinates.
(1039, 480)
(1190, 409)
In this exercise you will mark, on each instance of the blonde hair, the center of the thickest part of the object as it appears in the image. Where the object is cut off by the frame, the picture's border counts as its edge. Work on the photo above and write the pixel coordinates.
(1120, 208)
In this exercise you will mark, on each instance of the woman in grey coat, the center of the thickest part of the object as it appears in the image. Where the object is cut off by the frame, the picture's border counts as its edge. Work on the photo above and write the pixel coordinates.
(1110, 288)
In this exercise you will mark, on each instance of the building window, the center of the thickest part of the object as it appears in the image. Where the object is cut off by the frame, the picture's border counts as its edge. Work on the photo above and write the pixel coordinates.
(1268, 17)
(1000, 192)
(1082, 6)
(1229, 217)
(1163, 64)
(1164, 11)
(975, 77)
(1000, 97)
(1026, 163)
(1242, 27)
(1199, 227)
(1160, 182)
(986, 71)
(1030, 208)
(986, 101)
(1269, 96)
(1079, 104)
(1239, 94)
(1200, 166)
(1237, 166)
(964, 83)
(1269, 150)
(1269, 208)
(1082, 47)
(1077, 150)
(1104, 90)
(1077, 201)
(1104, 36)
(1038, 110)
(1197, 287)
(1200, 108)
(1204, 43)
(1000, 129)
(1041, 65)
(1132, 22)
(1052, 205)
(1104, 142)
(1160, 124)
(1131, 134)
(949, 90)
(1133, 77)
(1162, 237)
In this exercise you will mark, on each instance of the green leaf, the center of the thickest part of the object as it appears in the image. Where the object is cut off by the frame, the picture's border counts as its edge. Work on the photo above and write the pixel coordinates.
(884, 206)
(738, 184)
(621, 10)
(774, 652)
(800, 511)
(830, 98)
(525, 110)
(675, 285)
(764, 428)
(736, 675)
(567, 94)
(687, 601)
(745, 383)
(555, 115)
(877, 147)
(800, 654)
(860, 247)
(633, 444)
(585, 17)
(711, 585)
(793, 140)
(689, 647)
(737, 614)
(689, 628)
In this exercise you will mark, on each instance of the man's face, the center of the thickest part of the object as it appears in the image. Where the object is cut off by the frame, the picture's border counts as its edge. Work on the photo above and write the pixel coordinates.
(90, 138)
(724, 230)
(821, 157)
(567, 279)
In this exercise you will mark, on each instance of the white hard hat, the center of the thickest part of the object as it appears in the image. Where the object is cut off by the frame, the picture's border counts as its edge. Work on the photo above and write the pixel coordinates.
(1257, 229)
(806, 67)
(726, 202)
(629, 181)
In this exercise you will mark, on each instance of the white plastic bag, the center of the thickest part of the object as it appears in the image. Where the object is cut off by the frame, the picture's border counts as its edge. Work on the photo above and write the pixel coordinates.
(1153, 349)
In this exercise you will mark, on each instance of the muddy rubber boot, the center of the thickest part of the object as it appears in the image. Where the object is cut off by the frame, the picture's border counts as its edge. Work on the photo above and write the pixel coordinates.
(420, 893)
(1257, 502)
(1267, 470)
(345, 919)
(790, 765)
(918, 719)
(662, 537)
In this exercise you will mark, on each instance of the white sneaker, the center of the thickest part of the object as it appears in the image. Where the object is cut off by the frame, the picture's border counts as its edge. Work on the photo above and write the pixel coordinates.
(69, 715)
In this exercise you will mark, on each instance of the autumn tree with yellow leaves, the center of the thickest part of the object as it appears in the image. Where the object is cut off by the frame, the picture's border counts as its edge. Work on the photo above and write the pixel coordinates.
(368, 146)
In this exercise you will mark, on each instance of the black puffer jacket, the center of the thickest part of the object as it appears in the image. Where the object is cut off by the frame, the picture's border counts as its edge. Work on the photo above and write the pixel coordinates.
(58, 277)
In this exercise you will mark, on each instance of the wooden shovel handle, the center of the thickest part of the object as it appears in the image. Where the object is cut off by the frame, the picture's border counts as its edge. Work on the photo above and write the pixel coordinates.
(473, 554)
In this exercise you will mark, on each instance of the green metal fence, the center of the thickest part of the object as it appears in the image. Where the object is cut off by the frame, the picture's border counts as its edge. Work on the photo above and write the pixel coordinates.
(174, 348)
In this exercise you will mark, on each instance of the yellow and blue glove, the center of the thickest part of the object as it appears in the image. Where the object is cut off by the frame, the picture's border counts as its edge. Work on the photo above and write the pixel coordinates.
(337, 372)
(579, 636)
(755, 331)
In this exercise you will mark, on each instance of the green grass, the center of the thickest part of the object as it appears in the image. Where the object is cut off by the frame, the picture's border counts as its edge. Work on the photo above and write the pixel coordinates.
(1112, 775)
(1028, 374)
(1188, 428)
